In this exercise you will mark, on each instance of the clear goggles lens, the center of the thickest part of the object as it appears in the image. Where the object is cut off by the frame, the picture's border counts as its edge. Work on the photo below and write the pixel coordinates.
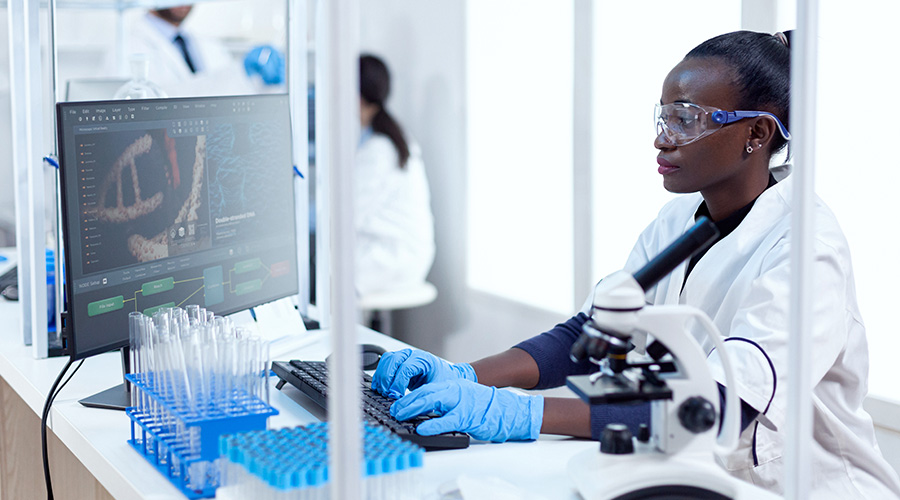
(683, 123)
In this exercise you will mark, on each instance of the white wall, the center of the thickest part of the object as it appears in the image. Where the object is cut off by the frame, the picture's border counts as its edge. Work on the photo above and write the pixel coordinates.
(423, 44)
(520, 157)
(628, 191)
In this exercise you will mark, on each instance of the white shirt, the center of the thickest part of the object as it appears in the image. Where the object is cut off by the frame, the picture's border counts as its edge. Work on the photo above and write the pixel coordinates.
(742, 283)
(217, 72)
(394, 226)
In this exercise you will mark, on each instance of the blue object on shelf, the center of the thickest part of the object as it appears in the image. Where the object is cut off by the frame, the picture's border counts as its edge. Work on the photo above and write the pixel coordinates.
(182, 458)
(51, 289)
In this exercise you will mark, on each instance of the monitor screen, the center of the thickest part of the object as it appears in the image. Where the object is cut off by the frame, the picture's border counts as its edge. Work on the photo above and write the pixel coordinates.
(170, 202)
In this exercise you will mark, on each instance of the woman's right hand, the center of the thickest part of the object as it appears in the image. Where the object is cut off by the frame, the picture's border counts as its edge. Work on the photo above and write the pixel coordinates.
(412, 368)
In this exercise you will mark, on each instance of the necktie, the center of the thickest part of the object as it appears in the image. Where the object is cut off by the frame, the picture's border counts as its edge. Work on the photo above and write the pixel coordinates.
(179, 41)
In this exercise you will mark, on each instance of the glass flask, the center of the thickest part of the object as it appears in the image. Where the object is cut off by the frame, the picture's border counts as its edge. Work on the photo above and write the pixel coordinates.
(139, 87)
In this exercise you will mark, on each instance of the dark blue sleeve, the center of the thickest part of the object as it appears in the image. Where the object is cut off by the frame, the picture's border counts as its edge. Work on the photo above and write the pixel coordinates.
(632, 415)
(551, 352)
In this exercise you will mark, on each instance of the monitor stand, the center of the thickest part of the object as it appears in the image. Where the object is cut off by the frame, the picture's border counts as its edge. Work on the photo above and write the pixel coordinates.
(114, 398)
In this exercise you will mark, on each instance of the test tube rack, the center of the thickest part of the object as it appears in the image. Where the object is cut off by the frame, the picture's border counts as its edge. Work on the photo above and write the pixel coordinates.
(182, 442)
(292, 463)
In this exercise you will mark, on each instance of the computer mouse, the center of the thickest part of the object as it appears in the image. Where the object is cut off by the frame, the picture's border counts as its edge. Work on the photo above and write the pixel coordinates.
(12, 293)
(371, 355)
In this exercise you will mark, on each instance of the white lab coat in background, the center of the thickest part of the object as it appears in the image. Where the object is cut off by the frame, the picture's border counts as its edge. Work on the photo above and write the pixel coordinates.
(742, 283)
(394, 224)
(219, 73)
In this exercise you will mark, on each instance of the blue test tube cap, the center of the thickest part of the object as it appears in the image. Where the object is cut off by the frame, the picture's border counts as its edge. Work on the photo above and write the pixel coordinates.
(254, 467)
(373, 468)
(388, 465)
(296, 478)
(315, 476)
(417, 458)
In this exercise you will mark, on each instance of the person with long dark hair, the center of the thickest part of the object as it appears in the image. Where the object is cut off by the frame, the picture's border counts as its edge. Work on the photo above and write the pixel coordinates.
(394, 224)
(722, 115)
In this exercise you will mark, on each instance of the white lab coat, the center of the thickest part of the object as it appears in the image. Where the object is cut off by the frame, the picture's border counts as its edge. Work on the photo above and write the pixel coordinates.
(742, 283)
(219, 73)
(394, 226)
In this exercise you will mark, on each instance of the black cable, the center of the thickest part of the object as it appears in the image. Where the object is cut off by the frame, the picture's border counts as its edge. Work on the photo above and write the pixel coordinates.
(50, 397)
(44, 427)
(69, 378)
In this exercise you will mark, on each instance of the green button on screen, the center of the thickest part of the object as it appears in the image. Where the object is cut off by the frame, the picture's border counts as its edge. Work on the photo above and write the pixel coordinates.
(105, 306)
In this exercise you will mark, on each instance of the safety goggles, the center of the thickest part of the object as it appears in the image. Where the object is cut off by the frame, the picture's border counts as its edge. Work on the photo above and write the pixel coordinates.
(684, 122)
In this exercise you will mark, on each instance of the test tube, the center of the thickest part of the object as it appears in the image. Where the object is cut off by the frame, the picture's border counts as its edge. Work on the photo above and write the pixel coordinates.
(193, 313)
(134, 349)
(266, 360)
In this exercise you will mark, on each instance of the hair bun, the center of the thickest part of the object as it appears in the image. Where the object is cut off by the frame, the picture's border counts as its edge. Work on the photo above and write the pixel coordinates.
(784, 37)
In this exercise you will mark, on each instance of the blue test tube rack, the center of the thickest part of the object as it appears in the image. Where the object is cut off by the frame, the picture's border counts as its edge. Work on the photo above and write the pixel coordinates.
(173, 436)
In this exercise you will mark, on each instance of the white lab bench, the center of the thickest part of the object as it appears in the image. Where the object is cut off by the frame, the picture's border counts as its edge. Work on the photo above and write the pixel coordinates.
(91, 454)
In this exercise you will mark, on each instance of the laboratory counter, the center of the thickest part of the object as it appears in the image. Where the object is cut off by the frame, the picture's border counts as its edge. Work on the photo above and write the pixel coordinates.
(90, 456)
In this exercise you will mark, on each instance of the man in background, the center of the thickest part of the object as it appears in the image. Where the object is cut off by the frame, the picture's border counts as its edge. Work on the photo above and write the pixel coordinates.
(184, 63)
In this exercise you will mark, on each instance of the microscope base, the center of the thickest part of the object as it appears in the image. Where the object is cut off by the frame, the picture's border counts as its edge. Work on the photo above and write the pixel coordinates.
(653, 475)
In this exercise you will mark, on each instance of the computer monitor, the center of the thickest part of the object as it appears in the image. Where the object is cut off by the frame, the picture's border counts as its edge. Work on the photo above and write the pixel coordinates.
(170, 202)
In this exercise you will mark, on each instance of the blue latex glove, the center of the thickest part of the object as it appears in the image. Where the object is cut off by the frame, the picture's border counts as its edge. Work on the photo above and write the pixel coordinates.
(267, 62)
(412, 368)
(486, 413)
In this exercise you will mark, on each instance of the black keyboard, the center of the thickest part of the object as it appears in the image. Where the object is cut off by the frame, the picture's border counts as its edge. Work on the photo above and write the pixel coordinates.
(311, 378)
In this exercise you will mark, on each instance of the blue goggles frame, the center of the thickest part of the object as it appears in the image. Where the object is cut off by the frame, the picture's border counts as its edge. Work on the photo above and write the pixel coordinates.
(726, 117)
(683, 123)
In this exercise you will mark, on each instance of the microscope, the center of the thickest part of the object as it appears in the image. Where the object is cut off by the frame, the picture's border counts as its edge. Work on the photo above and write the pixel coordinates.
(673, 457)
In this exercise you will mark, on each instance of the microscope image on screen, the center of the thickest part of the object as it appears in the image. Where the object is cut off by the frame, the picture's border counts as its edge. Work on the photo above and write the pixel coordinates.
(144, 202)
(241, 201)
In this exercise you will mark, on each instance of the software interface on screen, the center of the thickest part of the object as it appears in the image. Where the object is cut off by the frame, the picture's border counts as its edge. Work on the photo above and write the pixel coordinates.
(173, 202)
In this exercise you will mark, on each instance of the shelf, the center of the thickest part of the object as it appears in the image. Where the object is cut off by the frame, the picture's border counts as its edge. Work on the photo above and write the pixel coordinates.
(113, 4)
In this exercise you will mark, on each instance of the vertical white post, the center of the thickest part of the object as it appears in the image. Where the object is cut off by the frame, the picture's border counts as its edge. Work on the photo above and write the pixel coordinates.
(35, 164)
(582, 149)
(343, 130)
(54, 69)
(798, 432)
(297, 81)
(323, 172)
(25, 97)
(18, 127)
(57, 262)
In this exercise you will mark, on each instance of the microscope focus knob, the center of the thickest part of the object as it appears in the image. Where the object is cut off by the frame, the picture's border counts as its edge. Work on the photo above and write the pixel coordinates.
(644, 433)
(616, 440)
(697, 414)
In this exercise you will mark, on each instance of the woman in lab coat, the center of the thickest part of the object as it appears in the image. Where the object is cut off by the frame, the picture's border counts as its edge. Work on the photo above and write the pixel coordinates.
(394, 225)
(720, 161)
